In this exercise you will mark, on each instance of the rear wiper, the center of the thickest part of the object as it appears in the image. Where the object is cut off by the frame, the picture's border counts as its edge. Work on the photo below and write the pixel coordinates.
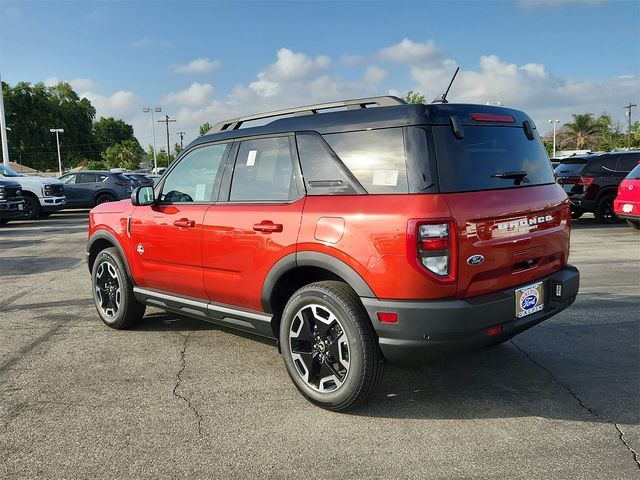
(517, 176)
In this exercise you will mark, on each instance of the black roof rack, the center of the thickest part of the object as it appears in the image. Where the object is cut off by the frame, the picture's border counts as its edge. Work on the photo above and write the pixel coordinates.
(235, 123)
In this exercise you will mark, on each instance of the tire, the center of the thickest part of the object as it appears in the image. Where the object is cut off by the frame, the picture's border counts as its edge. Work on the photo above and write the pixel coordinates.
(338, 365)
(634, 224)
(45, 214)
(576, 214)
(604, 210)
(31, 208)
(113, 291)
(4, 221)
(104, 198)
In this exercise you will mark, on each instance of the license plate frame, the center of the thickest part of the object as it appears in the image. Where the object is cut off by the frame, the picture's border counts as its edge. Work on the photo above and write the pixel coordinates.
(627, 208)
(529, 299)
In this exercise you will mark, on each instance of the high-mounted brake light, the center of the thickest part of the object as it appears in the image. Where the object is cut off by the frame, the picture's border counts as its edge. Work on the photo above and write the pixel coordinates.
(488, 117)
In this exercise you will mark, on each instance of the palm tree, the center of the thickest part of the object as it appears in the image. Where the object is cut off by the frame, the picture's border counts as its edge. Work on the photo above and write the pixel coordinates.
(583, 131)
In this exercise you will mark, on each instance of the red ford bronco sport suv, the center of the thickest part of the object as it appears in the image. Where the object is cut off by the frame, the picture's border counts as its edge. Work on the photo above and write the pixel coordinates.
(354, 232)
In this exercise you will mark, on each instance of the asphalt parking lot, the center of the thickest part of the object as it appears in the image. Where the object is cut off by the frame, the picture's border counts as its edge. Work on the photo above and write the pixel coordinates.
(177, 398)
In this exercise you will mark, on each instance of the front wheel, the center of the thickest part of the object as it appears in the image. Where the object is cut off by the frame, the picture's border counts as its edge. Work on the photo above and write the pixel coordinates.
(113, 291)
(31, 208)
(604, 211)
(329, 347)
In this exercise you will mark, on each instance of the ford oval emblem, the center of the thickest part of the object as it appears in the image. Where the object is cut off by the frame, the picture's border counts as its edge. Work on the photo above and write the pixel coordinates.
(475, 259)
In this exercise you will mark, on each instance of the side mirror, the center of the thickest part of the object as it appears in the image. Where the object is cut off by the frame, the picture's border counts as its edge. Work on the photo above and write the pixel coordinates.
(143, 196)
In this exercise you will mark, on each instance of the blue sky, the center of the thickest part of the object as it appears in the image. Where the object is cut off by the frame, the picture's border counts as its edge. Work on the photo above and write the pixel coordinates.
(206, 61)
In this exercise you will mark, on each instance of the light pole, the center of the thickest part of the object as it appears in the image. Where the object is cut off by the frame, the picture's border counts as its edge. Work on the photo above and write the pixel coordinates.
(3, 131)
(554, 123)
(58, 131)
(153, 132)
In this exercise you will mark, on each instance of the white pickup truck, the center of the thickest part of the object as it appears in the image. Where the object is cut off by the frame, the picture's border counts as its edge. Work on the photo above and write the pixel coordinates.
(42, 196)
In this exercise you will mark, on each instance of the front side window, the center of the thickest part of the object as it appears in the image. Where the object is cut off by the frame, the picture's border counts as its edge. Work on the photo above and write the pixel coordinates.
(375, 157)
(68, 179)
(263, 171)
(192, 179)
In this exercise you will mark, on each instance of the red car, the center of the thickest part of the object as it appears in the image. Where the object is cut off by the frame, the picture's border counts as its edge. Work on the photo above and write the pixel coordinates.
(627, 203)
(354, 232)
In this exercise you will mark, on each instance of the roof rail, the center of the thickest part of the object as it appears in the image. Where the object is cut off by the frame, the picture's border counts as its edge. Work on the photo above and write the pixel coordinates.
(235, 123)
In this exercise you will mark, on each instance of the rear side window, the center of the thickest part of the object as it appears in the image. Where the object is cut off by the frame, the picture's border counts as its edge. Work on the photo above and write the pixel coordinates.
(263, 171)
(86, 178)
(375, 157)
(634, 174)
(489, 158)
(628, 162)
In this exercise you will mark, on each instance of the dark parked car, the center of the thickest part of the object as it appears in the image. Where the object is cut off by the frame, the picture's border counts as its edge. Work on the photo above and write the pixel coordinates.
(11, 201)
(140, 179)
(90, 188)
(591, 182)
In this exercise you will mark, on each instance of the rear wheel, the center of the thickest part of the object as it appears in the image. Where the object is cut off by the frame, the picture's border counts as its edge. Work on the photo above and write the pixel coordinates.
(113, 291)
(604, 210)
(31, 208)
(104, 198)
(634, 224)
(329, 347)
(4, 221)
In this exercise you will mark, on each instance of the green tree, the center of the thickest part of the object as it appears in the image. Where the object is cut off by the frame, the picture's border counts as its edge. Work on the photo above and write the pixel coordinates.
(584, 132)
(414, 97)
(109, 131)
(32, 109)
(204, 128)
(127, 154)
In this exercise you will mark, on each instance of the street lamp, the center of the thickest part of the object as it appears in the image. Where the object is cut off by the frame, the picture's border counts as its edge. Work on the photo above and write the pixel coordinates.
(153, 131)
(58, 131)
(554, 123)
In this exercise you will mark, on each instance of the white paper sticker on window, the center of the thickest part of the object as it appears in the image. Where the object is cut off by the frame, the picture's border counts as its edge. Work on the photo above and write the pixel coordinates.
(200, 192)
(251, 158)
(388, 178)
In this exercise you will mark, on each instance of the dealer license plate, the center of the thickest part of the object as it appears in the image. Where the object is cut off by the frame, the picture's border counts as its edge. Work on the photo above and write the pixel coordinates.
(529, 299)
(627, 208)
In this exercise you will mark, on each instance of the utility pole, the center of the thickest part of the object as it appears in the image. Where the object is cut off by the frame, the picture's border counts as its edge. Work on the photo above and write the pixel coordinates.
(57, 131)
(628, 109)
(3, 134)
(182, 134)
(153, 132)
(166, 121)
(554, 123)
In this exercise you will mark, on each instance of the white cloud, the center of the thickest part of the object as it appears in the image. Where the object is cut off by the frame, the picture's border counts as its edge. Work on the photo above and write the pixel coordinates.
(119, 105)
(375, 74)
(410, 52)
(197, 65)
(78, 84)
(196, 94)
(291, 65)
(351, 60)
(147, 42)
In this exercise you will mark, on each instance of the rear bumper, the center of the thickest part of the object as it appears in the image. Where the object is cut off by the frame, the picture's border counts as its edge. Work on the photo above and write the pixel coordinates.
(428, 330)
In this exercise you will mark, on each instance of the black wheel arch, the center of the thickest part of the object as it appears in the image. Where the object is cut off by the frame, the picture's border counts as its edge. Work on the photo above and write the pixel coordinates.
(302, 268)
(101, 240)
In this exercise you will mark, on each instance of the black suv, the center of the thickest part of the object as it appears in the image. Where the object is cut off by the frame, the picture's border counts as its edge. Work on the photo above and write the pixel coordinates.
(591, 182)
(11, 201)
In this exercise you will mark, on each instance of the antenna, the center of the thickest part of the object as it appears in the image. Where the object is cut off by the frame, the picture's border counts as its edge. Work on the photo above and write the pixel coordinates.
(443, 98)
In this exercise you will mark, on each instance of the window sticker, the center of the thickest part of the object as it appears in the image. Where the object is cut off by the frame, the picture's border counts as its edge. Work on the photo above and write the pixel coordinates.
(387, 178)
(251, 158)
(200, 192)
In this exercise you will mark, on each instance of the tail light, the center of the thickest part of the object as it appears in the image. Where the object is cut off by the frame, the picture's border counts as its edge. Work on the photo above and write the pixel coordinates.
(431, 246)
(586, 181)
(123, 184)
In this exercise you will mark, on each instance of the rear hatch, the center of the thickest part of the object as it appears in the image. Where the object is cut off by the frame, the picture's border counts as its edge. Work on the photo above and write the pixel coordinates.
(500, 189)
(628, 200)
(571, 175)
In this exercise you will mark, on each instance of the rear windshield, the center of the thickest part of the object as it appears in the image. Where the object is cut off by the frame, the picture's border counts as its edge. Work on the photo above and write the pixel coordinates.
(570, 169)
(121, 177)
(490, 157)
(634, 174)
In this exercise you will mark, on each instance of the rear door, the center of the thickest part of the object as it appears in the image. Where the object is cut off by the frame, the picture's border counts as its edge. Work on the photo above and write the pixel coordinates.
(500, 190)
(86, 187)
(166, 238)
(255, 222)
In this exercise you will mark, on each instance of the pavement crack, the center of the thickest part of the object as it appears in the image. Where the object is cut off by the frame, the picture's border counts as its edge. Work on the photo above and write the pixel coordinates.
(176, 393)
(581, 403)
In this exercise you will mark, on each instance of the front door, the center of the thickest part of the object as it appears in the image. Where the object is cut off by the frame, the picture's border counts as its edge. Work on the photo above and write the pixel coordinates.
(166, 238)
(254, 223)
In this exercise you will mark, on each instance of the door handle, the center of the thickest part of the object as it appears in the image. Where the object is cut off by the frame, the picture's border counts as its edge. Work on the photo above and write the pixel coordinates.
(184, 223)
(267, 226)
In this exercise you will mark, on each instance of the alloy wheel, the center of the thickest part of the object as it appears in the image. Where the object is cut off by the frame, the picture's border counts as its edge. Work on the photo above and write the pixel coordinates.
(108, 289)
(319, 348)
